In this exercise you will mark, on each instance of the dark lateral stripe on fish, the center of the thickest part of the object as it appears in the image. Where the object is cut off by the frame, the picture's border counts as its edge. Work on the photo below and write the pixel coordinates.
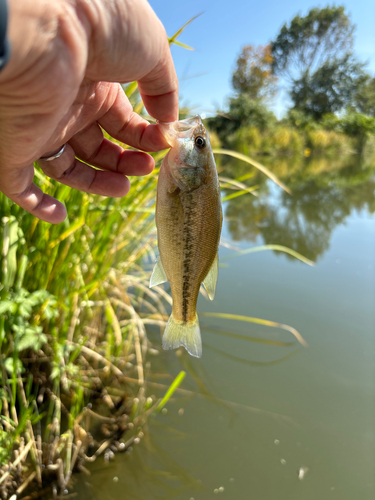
(189, 209)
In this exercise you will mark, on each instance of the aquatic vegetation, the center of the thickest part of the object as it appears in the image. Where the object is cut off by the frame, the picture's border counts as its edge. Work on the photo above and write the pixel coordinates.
(72, 324)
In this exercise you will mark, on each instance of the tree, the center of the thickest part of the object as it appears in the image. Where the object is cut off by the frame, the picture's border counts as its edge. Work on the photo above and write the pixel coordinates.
(253, 75)
(364, 99)
(315, 54)
(311, 41)
(243, 112)
(330, 88)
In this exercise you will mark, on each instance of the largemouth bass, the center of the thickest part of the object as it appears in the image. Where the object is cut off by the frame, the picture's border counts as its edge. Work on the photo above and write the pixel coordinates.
(188, 220)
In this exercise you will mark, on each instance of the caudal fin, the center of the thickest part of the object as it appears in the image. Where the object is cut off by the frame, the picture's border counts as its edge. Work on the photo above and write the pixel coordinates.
(187, 334)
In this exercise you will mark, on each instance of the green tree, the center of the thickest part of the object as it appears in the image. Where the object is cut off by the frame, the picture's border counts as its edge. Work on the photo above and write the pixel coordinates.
(364, 100)
(253, 75)
(330, 88)
(314, 53)
(243, 112)
(309, 42)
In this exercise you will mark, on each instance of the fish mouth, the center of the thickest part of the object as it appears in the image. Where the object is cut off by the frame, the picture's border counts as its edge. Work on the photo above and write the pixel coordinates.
(180, 129)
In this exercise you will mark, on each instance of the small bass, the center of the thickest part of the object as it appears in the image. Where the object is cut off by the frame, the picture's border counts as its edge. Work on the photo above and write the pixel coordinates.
(188, 221)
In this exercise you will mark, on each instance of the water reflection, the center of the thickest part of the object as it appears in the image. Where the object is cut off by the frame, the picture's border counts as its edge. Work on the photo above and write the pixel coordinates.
(325, 191)
(258, 411)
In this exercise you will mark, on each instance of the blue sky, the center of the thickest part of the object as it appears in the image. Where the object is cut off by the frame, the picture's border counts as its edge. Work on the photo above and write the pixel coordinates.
(227, 25)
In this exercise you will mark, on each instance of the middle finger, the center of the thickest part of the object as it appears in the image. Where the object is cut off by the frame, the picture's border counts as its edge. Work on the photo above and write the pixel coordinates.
(90, 146)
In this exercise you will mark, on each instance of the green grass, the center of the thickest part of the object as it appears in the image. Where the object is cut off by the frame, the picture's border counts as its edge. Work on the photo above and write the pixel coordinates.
(72, 324)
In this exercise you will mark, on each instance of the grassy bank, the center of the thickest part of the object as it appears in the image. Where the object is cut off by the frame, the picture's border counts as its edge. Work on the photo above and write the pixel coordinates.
(72, 333)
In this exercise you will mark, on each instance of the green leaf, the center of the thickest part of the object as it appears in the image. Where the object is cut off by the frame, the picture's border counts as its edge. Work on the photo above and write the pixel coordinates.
(178, 33)
(257, 165)
(177, 381)
(12, 366)
(21, 271)
(32, 339)
(275, 248)
(259, 321)
(176, 42)
(10, 244)
(8, 306)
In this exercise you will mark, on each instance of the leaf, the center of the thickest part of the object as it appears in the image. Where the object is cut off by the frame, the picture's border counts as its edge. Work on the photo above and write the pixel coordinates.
(21, 271)
(8, 306)
(238, 336)
(259, 321)
(71, 229)
(130, 89)
(25, 309)
(276, 248)
(176, 42)
(12, 366)
(249, 362)
(255, 164)
(177, 381)
(34, 340)
(178, 33)
(236, 194)
(10, 245)
(237, 184)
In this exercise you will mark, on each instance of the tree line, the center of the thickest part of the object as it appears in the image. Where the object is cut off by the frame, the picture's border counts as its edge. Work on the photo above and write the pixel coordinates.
(313, 56)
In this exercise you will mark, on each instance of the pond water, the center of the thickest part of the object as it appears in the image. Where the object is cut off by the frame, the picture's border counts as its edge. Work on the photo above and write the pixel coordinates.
(263, 417)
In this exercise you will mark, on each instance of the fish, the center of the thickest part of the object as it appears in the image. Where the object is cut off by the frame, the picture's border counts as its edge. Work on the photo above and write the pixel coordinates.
(188, 221)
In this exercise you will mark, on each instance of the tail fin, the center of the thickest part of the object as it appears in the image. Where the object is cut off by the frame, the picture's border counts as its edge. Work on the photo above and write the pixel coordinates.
(187, 334)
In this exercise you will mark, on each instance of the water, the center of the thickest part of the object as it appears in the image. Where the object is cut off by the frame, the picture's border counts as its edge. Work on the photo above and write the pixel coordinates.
(265, 421)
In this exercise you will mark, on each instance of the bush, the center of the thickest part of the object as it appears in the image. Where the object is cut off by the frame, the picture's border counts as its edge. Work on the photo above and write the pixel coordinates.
(298, 119)
(243, 113)
(283, 140)
(247, 140)
(358, 126)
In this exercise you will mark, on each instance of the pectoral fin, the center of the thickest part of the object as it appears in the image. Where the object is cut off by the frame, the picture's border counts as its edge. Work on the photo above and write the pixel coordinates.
(210, 280)
(158, 275)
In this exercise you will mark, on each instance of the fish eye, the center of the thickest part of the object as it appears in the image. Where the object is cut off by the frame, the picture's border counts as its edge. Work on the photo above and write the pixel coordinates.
(200, 142)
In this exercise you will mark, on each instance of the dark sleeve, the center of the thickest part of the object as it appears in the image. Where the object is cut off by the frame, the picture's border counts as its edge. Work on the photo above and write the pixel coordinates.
(4, 43)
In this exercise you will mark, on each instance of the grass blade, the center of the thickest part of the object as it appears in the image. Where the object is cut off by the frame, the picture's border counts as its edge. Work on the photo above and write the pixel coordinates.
(257, 340)
(72, 228)
(276, 248)
(236, 184)
(255, 164)
(178, 33)
(259, 321)
(183, 45)
(177, 381)
(238, 193)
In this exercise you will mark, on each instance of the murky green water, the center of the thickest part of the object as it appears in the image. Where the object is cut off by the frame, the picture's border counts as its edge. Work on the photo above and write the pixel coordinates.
(266, 421)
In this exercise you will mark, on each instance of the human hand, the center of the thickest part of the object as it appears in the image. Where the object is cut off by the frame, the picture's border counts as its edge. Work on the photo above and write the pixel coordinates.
(59, 87)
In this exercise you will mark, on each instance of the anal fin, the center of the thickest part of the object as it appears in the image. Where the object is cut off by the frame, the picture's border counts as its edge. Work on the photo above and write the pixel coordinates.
(210, 280)
(158, 275)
